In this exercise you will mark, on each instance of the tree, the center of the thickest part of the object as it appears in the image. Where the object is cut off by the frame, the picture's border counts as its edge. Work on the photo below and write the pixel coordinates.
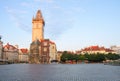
(82, 57)
(76, 57)
(100, 57)
(64, 56)
(112, 56)
(95, 57)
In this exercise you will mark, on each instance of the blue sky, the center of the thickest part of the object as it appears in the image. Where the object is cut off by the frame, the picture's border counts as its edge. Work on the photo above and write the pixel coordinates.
(71, 24)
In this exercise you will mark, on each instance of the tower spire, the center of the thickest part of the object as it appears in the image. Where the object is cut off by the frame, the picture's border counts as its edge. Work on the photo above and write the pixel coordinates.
(39, 15)
(38, 26)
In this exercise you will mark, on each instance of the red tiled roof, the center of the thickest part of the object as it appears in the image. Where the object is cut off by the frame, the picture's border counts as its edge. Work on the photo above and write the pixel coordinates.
(94, 48)
(97, 48)
(24, 50)
(47, 40)
(108, 50)
(51, 42)
(8, 46)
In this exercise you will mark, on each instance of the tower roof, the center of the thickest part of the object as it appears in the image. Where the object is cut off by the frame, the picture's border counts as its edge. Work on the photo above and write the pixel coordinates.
(24, 50)
(39, 15)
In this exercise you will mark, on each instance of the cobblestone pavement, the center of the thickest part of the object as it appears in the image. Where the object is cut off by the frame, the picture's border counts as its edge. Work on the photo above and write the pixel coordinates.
(59, 72)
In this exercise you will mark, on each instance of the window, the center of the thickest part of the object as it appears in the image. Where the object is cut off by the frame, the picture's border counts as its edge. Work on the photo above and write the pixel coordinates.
(53, 47)
(45, 49)
(45, 43)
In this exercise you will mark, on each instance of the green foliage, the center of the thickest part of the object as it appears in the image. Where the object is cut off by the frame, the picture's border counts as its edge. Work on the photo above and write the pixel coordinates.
(64, 56)
(68, 56)
(96, 57)
(90, 57)
(111, 56)
(82, 57)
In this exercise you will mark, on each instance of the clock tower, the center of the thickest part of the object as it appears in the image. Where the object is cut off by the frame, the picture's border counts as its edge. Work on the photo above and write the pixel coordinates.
(38, 27)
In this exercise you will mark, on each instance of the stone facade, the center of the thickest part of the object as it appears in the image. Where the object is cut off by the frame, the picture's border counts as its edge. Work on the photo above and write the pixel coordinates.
(1, 49)
(45, 51)
(38, 27)
(35, 52)
(10, 53)
(23, 55)
(59, 54)
(53, 51)
(41, 50)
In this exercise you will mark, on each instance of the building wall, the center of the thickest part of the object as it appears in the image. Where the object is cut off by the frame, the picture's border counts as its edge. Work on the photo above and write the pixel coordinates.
(23, 55)
(41, 51)
(1, 49)
(116, 49)
(53, 52)
(45, 51)
(94, 52)
(34, 56)
(37, 31)
(10, 53)
(11, 56)
(59, 54)
(23, 58)
(38, 27)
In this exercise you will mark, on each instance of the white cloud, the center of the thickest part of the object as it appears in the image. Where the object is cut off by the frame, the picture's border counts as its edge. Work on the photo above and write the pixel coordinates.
(15, 11)
(56, 16)
(60, 19)
(17, 19)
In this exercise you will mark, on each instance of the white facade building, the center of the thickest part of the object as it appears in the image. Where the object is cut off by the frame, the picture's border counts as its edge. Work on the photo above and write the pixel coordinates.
(53, 51)
(95, 50)
(10, 53)
(116, 49)
(23, 55)
(1, 49)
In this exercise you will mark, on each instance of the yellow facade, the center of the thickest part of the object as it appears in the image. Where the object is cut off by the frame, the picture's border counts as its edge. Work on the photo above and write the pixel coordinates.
(38, 27)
